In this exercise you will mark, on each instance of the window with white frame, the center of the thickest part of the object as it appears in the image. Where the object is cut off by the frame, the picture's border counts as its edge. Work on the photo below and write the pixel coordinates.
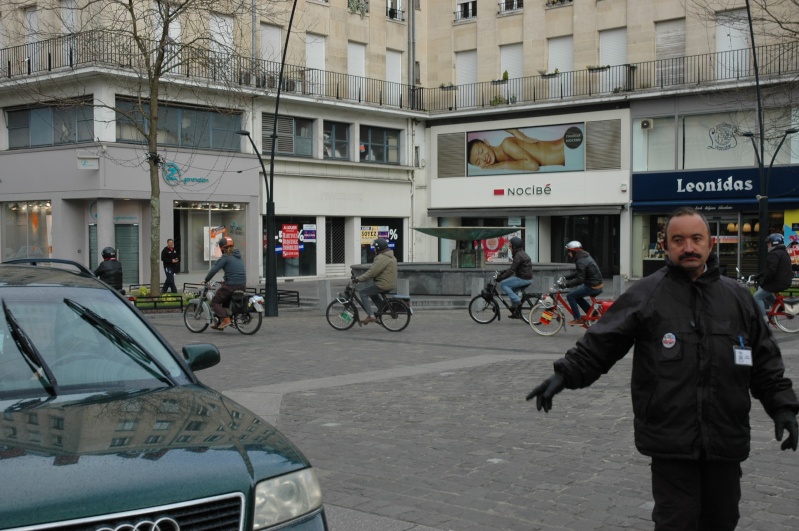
(379, 144)
(466, 9)
(394, 10)
(294, 135)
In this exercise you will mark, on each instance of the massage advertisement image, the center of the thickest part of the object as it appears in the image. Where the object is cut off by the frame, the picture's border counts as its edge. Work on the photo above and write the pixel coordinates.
(543, 149)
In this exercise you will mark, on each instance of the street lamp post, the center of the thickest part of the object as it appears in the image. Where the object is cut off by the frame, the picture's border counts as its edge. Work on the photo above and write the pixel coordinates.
(762, 199)
(271, 230)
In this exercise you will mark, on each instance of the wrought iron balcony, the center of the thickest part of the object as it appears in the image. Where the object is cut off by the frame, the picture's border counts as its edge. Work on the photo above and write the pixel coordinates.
(113, 52)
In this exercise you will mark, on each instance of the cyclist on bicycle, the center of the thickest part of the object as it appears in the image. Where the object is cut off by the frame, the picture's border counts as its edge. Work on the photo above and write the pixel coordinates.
(518, 276)
(110, 270)
(778, 274)
(384, 273)
(587, 275)
(235, 279)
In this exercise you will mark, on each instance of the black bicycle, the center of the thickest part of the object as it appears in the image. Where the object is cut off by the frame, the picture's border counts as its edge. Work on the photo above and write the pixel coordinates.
(484, 308)
(393, 313)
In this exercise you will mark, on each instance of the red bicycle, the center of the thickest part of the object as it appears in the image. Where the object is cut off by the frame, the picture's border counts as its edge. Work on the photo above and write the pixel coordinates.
(783, 313)
(547, 317)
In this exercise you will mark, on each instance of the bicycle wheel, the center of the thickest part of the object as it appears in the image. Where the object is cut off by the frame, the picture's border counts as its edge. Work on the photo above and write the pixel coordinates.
(546, 321)
(248, 323)
(194, 317)
(785, 322)
(341, 315)
(527, 306)
(394, 316)
(483, 311)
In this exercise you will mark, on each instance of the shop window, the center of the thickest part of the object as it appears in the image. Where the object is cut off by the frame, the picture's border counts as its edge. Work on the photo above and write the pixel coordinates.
(337, 140)
(179, 126)
(50, 126)
(26, 229)
(295, 249)
(379, 144)
(294, 135)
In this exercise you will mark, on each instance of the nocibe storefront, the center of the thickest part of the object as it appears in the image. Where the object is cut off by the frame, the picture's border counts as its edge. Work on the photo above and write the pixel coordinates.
(728, 198)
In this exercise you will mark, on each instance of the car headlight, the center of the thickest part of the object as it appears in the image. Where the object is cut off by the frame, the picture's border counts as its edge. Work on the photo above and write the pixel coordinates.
(280, 499)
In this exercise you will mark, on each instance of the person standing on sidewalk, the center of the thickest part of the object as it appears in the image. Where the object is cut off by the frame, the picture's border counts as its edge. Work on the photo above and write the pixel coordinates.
(778, 274)
(235, 279)
(701, 347)
(587, 276)
(518, 276)
(170, 259)
(384, 273)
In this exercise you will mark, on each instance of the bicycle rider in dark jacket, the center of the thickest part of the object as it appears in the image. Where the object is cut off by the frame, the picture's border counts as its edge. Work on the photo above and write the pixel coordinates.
(587, 275)
(778, 274)
(110, 270)
(518, 276)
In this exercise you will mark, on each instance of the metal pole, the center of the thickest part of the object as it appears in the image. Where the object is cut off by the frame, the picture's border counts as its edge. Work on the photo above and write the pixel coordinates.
(762, 199)
(271, 228)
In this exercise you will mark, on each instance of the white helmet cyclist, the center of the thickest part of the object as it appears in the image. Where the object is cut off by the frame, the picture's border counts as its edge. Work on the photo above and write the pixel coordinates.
(574, 245)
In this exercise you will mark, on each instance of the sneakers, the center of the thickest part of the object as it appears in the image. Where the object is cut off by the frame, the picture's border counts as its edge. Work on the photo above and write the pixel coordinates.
(224, 323)
(575, 322)
(370, 319)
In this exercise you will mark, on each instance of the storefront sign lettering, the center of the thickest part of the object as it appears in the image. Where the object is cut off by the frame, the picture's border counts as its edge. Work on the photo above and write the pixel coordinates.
(524, 190)
(173, 175)
(719, 185)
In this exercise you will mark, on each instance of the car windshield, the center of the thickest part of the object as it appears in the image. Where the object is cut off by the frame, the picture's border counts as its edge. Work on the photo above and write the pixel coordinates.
(72, 340)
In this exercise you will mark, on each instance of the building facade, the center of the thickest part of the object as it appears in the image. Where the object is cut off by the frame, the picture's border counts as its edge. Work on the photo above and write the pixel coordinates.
(618, 108)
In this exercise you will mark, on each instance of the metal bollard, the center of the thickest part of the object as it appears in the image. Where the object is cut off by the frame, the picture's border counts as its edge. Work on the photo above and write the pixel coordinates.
(325, 295)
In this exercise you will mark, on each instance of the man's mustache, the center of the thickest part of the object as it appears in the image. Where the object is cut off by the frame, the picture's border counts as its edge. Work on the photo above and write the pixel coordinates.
(690, 255)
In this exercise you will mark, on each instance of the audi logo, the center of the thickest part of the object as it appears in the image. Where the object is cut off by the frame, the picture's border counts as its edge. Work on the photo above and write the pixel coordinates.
(162, 524)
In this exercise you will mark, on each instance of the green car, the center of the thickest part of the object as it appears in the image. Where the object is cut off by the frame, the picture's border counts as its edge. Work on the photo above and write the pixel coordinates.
(105, 427)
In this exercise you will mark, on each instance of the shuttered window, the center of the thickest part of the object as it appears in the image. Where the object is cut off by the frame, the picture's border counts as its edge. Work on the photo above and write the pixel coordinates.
(603, 145)
(452, 155)
(466, 74)
(613, 51)
(732, 42)
(670, 52)
(561, 58)
(271, 42)
(294, 135)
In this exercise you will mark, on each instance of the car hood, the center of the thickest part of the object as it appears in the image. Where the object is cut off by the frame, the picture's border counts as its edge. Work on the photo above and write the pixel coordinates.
(131, 451)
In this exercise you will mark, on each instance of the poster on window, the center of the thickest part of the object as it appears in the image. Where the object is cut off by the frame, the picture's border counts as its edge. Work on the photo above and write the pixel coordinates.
(370, 233)
(290, 233)
(553, 148)
(211, 237)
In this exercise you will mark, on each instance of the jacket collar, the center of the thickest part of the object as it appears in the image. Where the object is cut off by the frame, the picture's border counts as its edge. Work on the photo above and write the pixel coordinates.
(711, 274)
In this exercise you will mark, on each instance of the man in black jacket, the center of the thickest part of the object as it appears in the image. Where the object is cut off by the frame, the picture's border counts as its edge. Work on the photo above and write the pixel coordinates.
(778, 274)
(110, 270)
(587, 276)
(518, 276)
(701, 347)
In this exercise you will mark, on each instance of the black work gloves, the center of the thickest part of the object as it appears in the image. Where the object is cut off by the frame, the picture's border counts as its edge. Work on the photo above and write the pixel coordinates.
(785, 419)
(553, 385)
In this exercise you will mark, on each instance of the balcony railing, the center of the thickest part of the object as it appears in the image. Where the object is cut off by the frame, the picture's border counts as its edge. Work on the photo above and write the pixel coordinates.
(466, 10)
(113, 51)
(395, 14)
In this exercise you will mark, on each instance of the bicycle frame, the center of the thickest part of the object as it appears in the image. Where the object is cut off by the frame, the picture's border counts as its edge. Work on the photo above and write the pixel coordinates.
(484, 308)
(207, 293)
(547, 317)
(389, 312)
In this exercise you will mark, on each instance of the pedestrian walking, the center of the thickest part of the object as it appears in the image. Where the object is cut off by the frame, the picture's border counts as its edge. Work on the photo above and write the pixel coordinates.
(170, 258)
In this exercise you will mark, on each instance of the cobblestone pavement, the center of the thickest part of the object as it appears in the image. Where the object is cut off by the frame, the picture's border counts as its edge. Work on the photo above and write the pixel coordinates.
(428, 429)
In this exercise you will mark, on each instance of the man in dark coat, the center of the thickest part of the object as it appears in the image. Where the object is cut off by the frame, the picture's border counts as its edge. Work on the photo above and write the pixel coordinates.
(778, 274)
(518, 276)
(701, 347)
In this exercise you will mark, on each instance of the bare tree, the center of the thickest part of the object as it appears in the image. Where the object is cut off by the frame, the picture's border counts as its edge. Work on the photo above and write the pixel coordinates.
(151, 52)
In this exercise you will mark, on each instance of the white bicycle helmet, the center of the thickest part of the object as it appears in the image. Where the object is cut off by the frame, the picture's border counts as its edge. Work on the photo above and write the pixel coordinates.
(574, 245)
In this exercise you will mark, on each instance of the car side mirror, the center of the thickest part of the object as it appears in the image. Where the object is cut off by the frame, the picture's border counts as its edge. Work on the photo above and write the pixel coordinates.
(201, 356)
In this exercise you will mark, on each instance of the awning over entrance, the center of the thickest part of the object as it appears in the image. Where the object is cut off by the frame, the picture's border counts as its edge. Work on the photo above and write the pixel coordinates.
(467, 233)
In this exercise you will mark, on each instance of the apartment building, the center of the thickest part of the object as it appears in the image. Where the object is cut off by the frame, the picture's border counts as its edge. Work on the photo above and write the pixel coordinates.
(623, 109)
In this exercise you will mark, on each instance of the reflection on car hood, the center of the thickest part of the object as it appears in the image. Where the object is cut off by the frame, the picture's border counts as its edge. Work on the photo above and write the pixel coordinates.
(131, 451)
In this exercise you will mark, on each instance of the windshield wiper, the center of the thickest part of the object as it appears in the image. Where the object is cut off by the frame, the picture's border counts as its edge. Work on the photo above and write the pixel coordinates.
(121, 339)
(31, 354)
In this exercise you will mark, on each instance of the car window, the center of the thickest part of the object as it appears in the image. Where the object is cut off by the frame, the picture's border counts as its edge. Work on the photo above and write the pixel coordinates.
(77, 351)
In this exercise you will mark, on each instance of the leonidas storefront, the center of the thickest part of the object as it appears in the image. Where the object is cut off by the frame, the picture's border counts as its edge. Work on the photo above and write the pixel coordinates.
(729, 199)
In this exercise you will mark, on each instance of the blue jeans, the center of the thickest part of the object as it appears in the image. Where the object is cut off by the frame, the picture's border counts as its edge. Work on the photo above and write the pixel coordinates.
(577, 297)
(765, 299)
(510, 285)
